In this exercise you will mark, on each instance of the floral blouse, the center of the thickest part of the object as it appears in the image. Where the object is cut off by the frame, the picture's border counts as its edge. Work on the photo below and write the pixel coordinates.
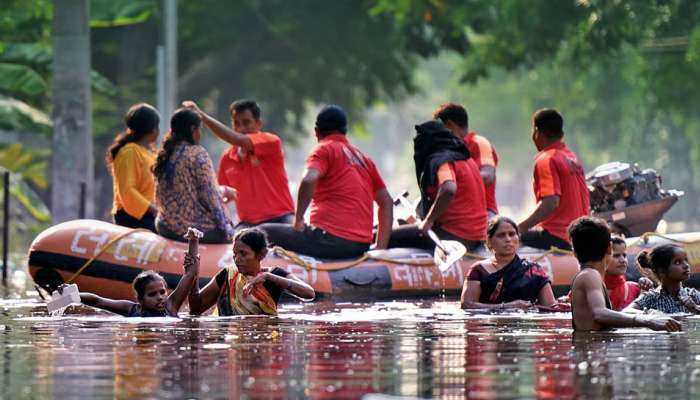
(187, 193)
(661, 300)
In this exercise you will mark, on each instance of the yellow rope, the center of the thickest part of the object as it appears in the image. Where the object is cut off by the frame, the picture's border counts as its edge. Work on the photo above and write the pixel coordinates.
(644, 238)
(553, 250)
(102, 250)
(299, 261)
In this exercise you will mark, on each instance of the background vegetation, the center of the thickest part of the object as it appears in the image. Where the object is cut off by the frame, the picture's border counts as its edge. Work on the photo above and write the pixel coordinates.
(623, 73)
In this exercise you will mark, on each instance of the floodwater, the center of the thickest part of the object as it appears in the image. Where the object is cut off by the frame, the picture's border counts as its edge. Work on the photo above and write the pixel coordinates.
(424, 349)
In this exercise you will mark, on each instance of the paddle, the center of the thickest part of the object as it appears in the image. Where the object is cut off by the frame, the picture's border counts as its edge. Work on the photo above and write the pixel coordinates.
(447, 252)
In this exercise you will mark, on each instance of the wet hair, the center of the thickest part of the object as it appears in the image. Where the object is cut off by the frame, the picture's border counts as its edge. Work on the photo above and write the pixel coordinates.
(658, 260)
(255, 238)
(143, 279)
(617, 240)
(140, 120)
(549, 122)
(496, 221)
(590, 238)
(245, 104)
(182, 125)
(452, 112)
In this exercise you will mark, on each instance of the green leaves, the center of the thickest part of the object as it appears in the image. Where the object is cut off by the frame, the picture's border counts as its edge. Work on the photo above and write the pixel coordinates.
(26, 166)
(16, 115)
(20, 79)
(111, 13)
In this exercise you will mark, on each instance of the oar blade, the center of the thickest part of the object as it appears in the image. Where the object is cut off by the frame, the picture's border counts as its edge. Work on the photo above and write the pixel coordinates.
(454, 252)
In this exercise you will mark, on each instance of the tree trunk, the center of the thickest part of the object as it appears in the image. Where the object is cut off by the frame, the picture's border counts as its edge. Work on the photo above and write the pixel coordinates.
(72, 160)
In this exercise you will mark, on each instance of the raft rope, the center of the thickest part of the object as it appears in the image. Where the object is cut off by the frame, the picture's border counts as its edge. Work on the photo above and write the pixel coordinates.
(293, 257)
(102, 250)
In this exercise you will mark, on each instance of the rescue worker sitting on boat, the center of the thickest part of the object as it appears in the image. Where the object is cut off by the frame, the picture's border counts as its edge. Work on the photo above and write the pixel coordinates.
(245, 288)
(253, 166)
(560, 185)
(340, 183)
(456, 119)
(453, 202)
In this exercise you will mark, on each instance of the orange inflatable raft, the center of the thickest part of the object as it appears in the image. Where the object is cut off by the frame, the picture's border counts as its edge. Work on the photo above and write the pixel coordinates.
(114, 255)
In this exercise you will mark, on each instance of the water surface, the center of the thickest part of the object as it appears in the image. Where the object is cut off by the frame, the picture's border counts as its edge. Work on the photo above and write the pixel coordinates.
(427, 349)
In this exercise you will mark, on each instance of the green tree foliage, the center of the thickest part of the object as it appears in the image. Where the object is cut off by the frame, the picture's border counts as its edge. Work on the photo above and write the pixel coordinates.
(622, 71)
(288, 54)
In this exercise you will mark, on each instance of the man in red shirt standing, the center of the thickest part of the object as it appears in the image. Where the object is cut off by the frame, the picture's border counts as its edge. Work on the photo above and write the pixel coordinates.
(456, 119)
(341, 184)
(253, 166)
(560, 185)
(453, 203)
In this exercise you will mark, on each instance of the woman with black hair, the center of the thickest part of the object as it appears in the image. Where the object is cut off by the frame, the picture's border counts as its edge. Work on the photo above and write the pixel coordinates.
(505, 280)
(130, 158)
(186, 192)
(245, 288)
(669, 264)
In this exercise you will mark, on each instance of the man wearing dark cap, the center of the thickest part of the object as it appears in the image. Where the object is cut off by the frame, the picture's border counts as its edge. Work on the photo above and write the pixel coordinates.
(340, 183)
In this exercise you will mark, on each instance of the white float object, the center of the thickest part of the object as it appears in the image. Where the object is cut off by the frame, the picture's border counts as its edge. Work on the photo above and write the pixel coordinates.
(69, 295)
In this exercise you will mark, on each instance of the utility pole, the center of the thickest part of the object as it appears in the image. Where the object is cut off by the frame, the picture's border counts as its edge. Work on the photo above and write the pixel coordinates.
(166, 62)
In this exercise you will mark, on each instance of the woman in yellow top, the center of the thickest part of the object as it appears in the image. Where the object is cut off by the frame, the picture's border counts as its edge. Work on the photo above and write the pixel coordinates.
(130, 158)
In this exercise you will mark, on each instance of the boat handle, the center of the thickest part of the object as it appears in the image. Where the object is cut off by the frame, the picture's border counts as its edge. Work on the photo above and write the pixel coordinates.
(363, 283)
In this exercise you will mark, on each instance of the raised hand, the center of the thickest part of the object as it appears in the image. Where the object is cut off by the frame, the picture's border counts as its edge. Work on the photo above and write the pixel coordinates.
(191, 104)
(191, 263)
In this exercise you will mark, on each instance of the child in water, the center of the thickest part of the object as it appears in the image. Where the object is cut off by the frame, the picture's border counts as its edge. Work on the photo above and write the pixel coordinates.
(669, 263)
(151, 294)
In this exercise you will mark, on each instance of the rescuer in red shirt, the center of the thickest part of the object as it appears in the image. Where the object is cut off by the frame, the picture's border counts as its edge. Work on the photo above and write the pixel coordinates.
(341, 184)
(559, 185)
(456, 119)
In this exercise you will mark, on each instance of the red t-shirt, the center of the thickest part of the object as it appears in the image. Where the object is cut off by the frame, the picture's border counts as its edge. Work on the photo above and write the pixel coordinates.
(259, 178)
(483, 153)
(466, 215)
(558, 172)
(343, 201)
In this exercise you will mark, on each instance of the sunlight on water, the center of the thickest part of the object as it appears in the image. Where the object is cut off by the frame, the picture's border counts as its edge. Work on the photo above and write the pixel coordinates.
(417, 349)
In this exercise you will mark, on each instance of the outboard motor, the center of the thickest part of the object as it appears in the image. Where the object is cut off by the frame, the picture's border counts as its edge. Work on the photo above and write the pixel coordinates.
(630, 198)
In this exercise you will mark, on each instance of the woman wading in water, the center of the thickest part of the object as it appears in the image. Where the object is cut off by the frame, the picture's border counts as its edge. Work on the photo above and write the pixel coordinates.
(505, 280)
(246, 288)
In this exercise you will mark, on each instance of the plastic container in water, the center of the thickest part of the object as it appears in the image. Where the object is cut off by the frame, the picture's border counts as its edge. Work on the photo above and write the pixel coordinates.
(69, 295)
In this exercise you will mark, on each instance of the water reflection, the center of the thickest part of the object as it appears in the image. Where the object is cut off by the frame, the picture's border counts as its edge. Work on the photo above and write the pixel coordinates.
(327, 350)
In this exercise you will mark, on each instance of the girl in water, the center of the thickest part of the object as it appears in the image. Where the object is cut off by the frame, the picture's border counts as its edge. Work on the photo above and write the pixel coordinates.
(669, 263)
(151, 295)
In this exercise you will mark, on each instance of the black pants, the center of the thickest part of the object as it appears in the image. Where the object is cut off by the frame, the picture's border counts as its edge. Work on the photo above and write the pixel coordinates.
(148, 221)
(284, 219)
(314, 242)
(212, 236)
(410, 236)
(541, 239)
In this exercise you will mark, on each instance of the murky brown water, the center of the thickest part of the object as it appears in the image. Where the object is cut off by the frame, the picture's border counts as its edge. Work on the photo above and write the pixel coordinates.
(332, 351)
